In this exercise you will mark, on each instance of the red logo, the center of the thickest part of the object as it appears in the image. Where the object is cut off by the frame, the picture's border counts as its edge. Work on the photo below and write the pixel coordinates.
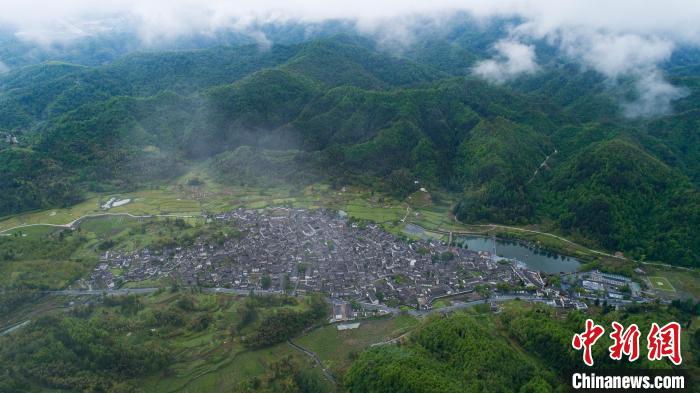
(586, 340)
(665, 342)
(625, 342)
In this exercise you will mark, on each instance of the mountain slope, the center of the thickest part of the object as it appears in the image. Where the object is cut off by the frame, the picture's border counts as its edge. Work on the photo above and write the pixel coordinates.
(341, 111)
(625, 199)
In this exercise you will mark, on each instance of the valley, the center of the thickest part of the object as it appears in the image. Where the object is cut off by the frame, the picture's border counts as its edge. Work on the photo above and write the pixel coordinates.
(285, 199)
(111, 246)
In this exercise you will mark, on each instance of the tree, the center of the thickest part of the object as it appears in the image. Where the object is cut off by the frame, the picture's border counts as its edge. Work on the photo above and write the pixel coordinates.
(401, 183)
(483, 290)
(536, 385)
(265, 282)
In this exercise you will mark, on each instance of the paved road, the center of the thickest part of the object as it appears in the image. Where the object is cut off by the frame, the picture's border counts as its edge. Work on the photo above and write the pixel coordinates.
(98, 292)
(543, 164)
(127, 291)
(243, 292)
(82, 218)
(14, 327)
(380, 307)
(454, 307)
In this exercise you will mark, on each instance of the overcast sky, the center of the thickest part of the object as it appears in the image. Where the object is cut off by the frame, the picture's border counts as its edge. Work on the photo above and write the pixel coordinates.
(672, 19)
(614, 37)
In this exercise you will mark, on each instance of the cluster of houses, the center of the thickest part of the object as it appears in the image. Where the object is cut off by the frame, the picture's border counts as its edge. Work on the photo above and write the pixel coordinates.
(298, 250)
(614, 288)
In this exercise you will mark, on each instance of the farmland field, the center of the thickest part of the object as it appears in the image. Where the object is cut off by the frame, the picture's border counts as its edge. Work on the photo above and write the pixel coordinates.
(336, 349)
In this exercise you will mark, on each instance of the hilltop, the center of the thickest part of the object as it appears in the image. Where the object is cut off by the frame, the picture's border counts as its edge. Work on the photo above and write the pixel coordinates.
(551, 151)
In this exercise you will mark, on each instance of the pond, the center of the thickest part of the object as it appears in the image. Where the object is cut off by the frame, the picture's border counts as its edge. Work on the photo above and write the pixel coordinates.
(533, 258)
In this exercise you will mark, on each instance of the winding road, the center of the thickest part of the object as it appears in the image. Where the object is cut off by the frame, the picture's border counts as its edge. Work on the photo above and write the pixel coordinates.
(75, 222)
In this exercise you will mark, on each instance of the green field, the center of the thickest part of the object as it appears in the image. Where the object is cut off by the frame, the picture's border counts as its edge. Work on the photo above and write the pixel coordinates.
(685, 282)
(147, 202)
(661, 283)
(337, 349)
(179, 199)
(430, 212)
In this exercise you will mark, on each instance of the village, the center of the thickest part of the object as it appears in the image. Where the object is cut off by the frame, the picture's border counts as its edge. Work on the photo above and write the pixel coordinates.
(303, 251)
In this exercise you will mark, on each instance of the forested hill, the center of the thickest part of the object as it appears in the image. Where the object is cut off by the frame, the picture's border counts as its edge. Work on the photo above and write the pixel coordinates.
(342, 110)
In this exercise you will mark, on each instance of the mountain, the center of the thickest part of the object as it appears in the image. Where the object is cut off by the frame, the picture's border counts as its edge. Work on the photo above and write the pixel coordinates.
(618, 194)
(552, 148)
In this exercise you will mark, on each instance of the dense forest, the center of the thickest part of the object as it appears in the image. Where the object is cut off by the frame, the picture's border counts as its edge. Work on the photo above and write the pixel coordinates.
(520, 350)
(109, 344)
(115, 343)
(342, 110)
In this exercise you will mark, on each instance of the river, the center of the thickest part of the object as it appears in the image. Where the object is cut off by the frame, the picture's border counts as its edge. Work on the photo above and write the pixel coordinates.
(533, 258)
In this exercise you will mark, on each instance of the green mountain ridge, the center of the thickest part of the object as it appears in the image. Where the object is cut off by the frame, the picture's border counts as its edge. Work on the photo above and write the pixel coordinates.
(342, 111)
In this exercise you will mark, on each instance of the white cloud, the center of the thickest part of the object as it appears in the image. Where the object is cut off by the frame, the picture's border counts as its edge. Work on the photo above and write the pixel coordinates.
(513, 59)
(620, 39)
(615, 55)
(673, 19)
(654, 96)
(4, 69)
(619, 56)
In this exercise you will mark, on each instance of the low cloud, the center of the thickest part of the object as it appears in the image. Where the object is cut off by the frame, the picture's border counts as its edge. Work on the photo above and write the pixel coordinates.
(621, 39)
(654, 96)
(513, 59)
(4, 68)
(621, 57)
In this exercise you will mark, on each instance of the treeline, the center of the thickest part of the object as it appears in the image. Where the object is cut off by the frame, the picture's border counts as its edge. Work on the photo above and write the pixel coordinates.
(32, 181)
(285, 375)
(454, 354)
(544, 334)
(76, 354)
(107, 346)
(11, 300)
(519, 350)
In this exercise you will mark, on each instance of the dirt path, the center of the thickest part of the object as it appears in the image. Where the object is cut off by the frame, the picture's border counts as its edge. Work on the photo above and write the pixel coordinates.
(408, 211)
(14, 327)
(542, 165)
(392, 340)
(315, 357)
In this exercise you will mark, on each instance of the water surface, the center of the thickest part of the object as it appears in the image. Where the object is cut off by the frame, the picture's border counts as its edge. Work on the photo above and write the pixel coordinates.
(533, 258)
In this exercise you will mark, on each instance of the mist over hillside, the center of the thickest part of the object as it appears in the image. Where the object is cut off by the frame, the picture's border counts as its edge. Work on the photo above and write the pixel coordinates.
(523, 127)
(327, 196)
